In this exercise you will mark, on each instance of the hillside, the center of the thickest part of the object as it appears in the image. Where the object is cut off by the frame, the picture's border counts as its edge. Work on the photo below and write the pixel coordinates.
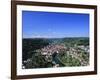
(55, 52)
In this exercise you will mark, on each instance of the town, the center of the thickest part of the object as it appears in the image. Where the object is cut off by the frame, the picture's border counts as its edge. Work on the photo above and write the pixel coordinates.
(59, 55)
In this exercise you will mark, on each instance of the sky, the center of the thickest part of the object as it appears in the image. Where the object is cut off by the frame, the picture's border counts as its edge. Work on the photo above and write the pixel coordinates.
(37, 24)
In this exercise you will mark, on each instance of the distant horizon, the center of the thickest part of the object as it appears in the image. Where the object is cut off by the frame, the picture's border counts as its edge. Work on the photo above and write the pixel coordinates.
(38, 24)
(59, 37)
(53, 38)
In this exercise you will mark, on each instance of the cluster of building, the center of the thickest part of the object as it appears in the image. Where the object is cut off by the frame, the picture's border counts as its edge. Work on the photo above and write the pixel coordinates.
(49, 50)
(52, 49)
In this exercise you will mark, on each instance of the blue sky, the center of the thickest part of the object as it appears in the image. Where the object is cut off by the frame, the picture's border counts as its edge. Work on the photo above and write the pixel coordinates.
(54, 25)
